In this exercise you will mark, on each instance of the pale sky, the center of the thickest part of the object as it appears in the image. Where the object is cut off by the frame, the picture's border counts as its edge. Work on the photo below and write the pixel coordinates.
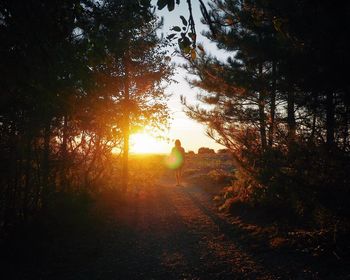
(191, 133)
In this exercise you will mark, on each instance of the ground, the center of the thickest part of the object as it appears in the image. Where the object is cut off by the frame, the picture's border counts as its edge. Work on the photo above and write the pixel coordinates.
(169, 232)
(162, 231)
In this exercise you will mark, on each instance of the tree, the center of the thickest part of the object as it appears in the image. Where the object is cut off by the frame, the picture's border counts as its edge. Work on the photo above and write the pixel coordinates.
(40, 72)
(136, 68)
(64, 103)
(277, 99)
(240, 89)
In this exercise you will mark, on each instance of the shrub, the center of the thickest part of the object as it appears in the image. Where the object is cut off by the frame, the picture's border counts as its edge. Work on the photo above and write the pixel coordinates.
(306, 182)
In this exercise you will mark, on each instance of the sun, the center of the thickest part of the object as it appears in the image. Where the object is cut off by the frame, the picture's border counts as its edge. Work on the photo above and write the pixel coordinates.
(143, 143)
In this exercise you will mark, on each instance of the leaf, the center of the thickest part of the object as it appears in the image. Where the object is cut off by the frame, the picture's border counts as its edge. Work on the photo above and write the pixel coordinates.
(171, 36)
(176, 28)
(161, 4)
(171, 5)
(186, 49)
(193, 54)
(186, 41)
(184, 21)
(185, 45)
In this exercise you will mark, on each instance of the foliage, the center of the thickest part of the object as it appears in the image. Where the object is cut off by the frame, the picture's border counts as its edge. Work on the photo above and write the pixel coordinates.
(186, 35)
(279, 103)
(64, 78)
(210, 171)
(205, 150)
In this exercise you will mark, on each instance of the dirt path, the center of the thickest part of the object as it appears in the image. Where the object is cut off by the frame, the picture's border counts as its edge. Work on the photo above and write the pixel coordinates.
(168, 232)
(171, 235)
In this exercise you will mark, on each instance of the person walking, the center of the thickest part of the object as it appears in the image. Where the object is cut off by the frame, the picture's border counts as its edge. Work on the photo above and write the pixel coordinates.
(178, 157)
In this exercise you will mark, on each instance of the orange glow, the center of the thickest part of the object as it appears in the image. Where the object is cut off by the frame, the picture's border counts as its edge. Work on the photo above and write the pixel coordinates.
(143, 143)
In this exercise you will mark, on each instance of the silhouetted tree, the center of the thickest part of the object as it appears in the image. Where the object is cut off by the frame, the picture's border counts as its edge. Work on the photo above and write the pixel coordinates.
(136, 68)
(76, 77)
(277, 102)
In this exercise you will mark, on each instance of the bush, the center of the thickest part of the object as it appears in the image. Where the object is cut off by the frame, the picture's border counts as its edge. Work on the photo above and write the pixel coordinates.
(204, 150)
(308, 183)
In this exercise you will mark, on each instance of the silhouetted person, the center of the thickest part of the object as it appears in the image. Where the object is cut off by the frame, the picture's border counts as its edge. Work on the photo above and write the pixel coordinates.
(178, 155)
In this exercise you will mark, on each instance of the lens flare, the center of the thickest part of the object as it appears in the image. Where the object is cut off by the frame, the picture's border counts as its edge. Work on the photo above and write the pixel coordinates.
(174, 160)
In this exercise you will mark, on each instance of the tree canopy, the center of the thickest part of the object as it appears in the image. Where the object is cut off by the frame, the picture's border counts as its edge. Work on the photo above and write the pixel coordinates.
(280, 101)
(77, 77)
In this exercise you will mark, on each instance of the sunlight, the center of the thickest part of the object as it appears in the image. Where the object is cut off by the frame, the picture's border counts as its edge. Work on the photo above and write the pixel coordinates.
(143, 143)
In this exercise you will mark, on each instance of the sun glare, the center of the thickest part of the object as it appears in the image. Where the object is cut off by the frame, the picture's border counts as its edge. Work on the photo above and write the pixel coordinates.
(143, 143)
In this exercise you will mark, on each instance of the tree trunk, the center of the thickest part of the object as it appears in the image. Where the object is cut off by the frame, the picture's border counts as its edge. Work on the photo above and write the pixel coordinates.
(126, 125)
(346, 127)
(46, 164)
(314, 118)
(272, 105)
(27, 177)
(63, 172)
(262, 117)
(291, 116)
(11, 180)
(330, 123)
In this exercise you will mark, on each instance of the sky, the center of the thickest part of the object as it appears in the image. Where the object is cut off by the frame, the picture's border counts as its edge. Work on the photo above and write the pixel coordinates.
(191, 133)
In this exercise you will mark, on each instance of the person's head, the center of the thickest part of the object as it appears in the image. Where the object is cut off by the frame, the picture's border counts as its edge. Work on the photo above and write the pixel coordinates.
(177, 143)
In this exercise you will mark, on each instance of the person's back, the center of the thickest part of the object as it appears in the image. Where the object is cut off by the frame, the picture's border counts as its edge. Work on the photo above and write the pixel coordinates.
(178, 152)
